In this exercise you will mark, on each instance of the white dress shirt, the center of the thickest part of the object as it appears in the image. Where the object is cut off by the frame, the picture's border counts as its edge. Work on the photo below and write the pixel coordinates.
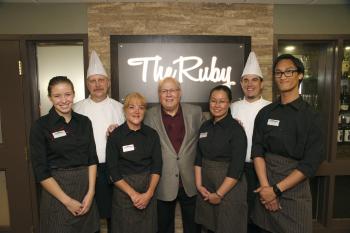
(246, 112)
(102, 115)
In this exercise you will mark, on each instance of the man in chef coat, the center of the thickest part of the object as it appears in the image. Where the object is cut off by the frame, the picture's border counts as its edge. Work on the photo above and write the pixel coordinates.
(105, 114)
(245, 111)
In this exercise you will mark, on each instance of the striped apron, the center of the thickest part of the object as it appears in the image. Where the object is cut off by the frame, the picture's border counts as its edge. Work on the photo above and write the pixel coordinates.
(296, 213)
(128, 219)
(55, 217)
(231, 214)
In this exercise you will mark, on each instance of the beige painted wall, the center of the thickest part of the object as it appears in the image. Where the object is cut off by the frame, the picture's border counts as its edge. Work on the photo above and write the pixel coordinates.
(312, 19)
(36, 18)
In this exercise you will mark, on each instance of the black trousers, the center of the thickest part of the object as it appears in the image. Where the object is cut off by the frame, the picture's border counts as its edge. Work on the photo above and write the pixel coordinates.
(253, 183)
(103, 194)
(166, 214)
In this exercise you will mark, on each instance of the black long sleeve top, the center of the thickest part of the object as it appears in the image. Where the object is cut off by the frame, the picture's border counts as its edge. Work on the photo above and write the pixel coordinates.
(293, 130)
(133, 152)
(57, 144)
(224, 140)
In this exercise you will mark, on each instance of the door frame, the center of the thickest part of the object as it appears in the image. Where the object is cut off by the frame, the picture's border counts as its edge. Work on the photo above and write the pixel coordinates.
(31, 97)
(19, 191)
(332, 166)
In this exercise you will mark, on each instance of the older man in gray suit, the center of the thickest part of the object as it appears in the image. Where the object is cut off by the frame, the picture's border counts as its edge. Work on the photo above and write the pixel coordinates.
(177, 125)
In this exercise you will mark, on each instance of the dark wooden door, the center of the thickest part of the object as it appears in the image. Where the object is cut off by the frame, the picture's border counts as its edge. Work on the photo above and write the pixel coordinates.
(13, 155)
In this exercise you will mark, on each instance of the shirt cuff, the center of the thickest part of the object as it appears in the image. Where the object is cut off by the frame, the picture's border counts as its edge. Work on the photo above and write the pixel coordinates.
(41, 177)
(307, 170)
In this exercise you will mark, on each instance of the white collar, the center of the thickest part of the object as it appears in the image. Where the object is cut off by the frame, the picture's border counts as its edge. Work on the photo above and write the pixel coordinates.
(255, 102)
(101, 102)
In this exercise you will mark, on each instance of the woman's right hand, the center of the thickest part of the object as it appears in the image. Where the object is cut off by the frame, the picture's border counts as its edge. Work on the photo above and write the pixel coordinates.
(204, 192)
(214, 199)
(74, 206)
(135, 197)
(142, 203)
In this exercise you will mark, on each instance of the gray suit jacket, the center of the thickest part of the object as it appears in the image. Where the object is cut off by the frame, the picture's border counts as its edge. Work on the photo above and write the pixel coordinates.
(169, 182)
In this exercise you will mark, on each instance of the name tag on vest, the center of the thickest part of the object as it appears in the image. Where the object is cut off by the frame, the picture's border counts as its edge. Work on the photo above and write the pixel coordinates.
(273, 122)
(59, 134)
(128, 148)
(203, 135)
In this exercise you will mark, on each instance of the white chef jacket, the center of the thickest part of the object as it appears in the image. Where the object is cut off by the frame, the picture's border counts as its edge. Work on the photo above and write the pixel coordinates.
(246, 112)
(102, 115)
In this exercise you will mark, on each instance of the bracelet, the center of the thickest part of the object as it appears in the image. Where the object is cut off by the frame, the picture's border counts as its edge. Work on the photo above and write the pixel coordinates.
(276, 190)
(220, 196)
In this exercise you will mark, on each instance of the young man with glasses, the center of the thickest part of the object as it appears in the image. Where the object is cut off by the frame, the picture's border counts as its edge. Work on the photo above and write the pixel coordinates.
(245, 112)
(287, 150)
(177, 125)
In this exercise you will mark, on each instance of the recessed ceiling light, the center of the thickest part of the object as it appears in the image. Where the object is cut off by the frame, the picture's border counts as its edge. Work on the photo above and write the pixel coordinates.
(290, 48)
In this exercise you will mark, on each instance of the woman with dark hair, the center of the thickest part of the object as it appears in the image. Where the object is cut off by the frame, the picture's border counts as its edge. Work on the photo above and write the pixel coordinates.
(64, 161)
(134, 161)
(222, 144)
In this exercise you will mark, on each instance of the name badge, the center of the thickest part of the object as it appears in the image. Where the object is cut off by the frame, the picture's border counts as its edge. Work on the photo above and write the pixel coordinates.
(273, 122)
(59, 134)
(128, 148)
(203, 135)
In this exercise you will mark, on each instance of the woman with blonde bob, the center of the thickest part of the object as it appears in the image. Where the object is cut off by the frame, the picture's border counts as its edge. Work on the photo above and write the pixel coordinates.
(134, 161)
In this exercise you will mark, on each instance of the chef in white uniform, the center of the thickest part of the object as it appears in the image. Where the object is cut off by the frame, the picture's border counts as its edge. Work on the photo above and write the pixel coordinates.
(105, 114)
(245, 111)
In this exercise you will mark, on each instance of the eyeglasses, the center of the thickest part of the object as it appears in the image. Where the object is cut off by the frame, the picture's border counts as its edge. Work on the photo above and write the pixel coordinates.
(287, 73)
(168, 91)
(218, 102)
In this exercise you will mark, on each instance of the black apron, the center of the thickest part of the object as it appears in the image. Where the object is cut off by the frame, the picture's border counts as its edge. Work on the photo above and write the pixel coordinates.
(128, 219)
(231, 214)
(296, 213)
(55, 217)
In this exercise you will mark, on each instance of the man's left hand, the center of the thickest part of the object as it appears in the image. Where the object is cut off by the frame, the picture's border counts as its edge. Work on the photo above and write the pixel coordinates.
(111, 128)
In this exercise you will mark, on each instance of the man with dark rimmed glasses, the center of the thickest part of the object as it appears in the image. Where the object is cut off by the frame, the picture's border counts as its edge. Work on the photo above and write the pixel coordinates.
(287, 150)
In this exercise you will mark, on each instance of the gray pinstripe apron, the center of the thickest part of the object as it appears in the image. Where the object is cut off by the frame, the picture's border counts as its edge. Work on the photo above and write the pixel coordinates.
(128, 219)
(230, 216)
(54, 216)
(296, 213)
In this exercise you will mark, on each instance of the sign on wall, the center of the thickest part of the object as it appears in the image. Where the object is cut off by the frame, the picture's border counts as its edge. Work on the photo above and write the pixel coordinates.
(199, 63)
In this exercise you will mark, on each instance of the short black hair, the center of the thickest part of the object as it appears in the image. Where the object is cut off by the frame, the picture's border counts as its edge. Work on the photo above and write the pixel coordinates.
(57, 80)
(222, 88)
(296, 61)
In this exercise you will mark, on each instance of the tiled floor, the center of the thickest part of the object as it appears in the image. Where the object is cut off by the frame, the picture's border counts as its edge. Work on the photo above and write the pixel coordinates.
(178, 222)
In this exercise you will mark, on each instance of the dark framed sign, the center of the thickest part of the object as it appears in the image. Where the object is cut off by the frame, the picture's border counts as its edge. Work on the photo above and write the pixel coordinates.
(199, 63)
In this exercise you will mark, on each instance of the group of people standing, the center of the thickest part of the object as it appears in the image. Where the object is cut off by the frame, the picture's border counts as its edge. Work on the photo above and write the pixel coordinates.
(245, 169)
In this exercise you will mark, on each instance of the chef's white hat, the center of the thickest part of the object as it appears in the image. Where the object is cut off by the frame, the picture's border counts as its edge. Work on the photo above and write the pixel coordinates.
(252, 66)
(95, 65)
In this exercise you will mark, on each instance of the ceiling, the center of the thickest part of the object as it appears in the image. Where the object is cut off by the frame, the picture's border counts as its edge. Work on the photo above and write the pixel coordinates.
(303, 2)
